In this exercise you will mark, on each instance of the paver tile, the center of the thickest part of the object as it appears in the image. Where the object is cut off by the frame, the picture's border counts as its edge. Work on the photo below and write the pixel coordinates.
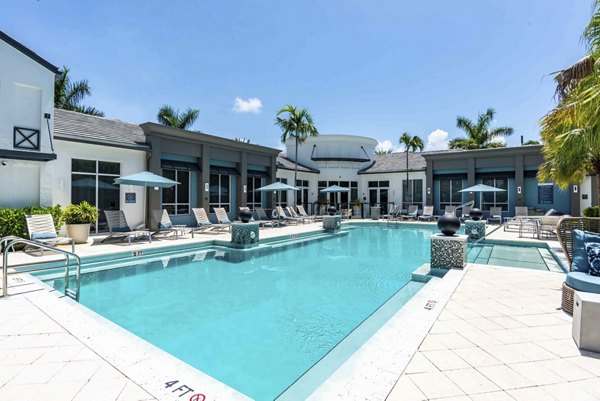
(504, 377)
(477, 357)
(445, 359)
(405, 390)
(435, 385)
(471, 381)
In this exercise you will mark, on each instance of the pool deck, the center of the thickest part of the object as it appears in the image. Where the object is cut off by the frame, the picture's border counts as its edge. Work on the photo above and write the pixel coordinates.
(500, 335)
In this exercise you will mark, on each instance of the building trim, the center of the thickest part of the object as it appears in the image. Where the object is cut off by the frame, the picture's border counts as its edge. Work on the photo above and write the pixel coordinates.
(28, 52)
(490, 152)
(392, 171)
(141, 146)
(24, 155)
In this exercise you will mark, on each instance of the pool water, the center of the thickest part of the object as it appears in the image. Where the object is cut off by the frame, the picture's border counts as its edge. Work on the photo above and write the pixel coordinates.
(258, 320)
(529, 257)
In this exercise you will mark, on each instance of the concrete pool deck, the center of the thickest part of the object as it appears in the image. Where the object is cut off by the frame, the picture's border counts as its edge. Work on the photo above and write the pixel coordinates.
(501, 336)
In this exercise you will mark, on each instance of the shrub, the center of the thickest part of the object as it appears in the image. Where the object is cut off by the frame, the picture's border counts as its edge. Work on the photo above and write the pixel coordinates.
(12, 221)
(84, 213)
(592, 211)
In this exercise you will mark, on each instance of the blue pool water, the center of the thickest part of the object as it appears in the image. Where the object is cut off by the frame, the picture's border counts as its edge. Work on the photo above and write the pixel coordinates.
(257, 320)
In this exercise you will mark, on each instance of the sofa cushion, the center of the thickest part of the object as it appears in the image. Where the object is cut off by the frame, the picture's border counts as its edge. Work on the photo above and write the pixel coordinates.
(581, 281)
(593, 252)
(43, 235)
(125, 229)
(580, 257)
(165, 225)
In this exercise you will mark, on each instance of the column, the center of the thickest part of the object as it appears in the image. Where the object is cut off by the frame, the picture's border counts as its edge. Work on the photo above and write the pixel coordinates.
(429, 183)
(204, 194)
(154, 166)
(519, 180)
(243, 169)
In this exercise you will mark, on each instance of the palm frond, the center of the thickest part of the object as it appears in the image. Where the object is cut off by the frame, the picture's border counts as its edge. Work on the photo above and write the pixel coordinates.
(568, 78)
(188, 118)
(87, 110)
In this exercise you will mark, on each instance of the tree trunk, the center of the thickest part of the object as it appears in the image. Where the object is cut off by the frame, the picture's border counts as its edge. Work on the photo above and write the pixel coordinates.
(407, 182)
(597, 170)
(295, 169)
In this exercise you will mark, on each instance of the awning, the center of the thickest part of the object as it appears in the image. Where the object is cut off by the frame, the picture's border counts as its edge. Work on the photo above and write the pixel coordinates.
(258, 173)
(223, 170)
(179, 165)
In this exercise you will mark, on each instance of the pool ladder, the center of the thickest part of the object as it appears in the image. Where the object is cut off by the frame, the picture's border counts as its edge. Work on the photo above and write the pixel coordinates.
(7, 244)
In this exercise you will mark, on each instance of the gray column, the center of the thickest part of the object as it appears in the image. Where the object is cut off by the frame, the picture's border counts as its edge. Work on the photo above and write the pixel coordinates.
(575, 201)
(243, 169)
(204, 199)
(429, 183)
(154, 166)
(272, 178)
(519, 180)
(594, 194)
(471, 176)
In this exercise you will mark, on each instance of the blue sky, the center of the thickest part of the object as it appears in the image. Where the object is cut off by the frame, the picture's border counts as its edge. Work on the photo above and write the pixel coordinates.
(372, 68)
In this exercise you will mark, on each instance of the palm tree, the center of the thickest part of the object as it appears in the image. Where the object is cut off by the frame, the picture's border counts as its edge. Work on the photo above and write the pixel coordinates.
(298, 124)
(411, 144)
(379, 152)
(68, 95)
(240, 139)
(167, 115)
(571, 131)
(479, 134)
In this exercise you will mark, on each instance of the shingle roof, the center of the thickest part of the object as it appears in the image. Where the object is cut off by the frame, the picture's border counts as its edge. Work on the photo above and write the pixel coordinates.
(79, 127)
(28, 52)
(284, 163)
(395, 162)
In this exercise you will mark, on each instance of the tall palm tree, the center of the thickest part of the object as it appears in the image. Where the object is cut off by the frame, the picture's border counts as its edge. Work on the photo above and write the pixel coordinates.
(380, 151)
(479, 134)
(167, 115)
(298, 124)
(411, 144)
(68, 95)
(571, 131)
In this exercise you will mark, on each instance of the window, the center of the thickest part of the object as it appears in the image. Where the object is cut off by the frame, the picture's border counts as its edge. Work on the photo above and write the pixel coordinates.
(93, 181)
(176, 200)
(449, 195)
(220, 192)
(344, 198)
(412, 192)
(302, 195)
(379, 194)
(253, 197)
(495, 199)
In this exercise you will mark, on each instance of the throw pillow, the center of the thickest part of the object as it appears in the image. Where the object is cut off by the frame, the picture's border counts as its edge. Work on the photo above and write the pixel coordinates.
(593, 253)
(580, 258)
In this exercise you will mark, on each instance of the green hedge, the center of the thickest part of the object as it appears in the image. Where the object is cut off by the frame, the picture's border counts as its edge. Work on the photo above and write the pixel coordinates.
(12, 221)
(592, 211)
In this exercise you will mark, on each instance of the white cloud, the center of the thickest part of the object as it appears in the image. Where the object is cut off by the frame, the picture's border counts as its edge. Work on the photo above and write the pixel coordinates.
(437, 140)
(384, 145)
(252, 105)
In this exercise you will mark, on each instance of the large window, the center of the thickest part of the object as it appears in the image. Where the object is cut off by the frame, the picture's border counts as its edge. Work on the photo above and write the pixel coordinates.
(302, 195)
(339, 197)
(176, 200)
(495, 199)
(220, 194)
(93, 181)
(253, 197)
(412, 192)
(449, 195)
(282, 194)
(379, 194)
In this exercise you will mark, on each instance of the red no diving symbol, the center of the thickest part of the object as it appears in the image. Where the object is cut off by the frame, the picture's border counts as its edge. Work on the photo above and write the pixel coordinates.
(196, 397)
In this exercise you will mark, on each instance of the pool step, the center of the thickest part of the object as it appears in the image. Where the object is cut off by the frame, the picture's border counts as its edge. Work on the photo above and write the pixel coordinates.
(425, 273)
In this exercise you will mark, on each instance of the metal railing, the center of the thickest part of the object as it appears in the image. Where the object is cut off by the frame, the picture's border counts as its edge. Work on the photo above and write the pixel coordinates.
(7, 244)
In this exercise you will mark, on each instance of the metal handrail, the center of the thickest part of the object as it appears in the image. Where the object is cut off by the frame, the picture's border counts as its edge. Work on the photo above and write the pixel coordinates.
(469, 203)
(11, 241)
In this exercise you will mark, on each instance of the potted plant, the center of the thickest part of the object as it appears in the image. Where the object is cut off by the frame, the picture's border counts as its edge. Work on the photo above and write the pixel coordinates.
(322, 202)
(78, 219)
(356, 207)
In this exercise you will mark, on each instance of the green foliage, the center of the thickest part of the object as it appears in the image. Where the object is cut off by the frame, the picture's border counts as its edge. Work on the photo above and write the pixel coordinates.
(379, 152)
(167, 115)
(12, 221)
(592, 211)
(84, 213)
(355, 202)
(531, 142)
(68, 95)
(479, 134)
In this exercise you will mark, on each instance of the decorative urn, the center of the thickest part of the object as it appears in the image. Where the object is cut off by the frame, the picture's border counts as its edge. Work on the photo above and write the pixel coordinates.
(448, 224)
(476, 214)
(245, 215)
(331, 210)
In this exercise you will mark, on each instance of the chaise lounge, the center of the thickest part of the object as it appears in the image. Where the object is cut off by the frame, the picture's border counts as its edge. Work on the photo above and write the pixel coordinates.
(118, 227)
(41, 229)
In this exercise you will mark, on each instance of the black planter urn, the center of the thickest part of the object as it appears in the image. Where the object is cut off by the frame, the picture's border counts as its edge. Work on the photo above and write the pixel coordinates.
(448, 224)
(245, 215)
(331, 210)
(476, 214)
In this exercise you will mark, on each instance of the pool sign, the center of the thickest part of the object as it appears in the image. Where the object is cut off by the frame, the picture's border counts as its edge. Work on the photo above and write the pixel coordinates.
(184, 390)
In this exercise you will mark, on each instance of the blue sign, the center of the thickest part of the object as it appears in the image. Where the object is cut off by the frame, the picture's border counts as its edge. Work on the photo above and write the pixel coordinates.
(130, 197)
(545, 194)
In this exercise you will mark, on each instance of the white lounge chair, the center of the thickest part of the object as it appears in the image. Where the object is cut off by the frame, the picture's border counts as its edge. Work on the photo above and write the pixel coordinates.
(262, 223)
(291, 212)
(118, 227)
(413, 211)
(450, 210)
(465, 214)
(283, 216)
(223, 217)
(164, 224)
(262, 216)
(41, 229)
(427, 214)
(516, 221)
(204, 225)
(495, 215)
(303, 213)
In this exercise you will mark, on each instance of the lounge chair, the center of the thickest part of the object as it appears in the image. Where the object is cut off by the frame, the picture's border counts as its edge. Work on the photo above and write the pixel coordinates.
(222, 217)
(262, 223)
(394, 212)
(284, 216)
(204, 225)
(495, 215)
(427, 213)
(118, 227)
(465, 214)
(303, 213)
(295, 215)
(548, 226)
(262, 217)
(413, 211)
(517, 220)
(164, 224)
(450, 210)
(41, 229)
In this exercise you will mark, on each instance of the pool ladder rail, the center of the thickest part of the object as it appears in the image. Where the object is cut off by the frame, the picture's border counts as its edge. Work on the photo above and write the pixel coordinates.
(7, 244)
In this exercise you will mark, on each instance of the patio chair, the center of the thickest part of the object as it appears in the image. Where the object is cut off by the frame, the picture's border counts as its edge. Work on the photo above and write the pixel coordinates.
(302, 213)
(285, 217)
(495, 215)
(548, 226)
(262, 216)
(573, 233)
(204, 225)
(118, 227)
(41, 229)
(427, 214)
(222, 217)
(164, 224)
(449, 210)
(413, 211)
(516, 220)
(262, 223)
(394, 212)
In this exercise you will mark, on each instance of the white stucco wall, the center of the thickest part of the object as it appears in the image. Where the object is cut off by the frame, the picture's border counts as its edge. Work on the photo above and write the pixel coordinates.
(586, 189)
(26, 93)
(395, 188)
(58, 173)
(19, 184)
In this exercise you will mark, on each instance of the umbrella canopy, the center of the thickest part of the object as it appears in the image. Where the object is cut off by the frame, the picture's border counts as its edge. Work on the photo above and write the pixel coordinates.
(277, 186)
(482, 188)
(334, 188)
(146, 179)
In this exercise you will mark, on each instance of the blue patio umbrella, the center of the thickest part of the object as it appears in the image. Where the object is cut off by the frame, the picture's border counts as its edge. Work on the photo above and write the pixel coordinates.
(277, 187)
(482, 188)
(334, 189)
(146, 179)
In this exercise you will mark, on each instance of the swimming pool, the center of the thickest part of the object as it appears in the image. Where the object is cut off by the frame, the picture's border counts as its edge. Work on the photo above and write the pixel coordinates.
(514, 255)
(258, 319)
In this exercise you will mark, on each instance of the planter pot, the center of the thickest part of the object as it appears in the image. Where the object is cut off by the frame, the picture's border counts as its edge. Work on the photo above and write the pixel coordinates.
(79, 232)
(448, 224)
(356, 211)
(331, 210)
(476, 214)
(245, 215)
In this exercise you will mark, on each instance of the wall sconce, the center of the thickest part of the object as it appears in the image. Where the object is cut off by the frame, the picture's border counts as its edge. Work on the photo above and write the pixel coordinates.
(519, 189)
(206, 188)
(428, 191)
(245, 188)
(575, 189)
(156, 188)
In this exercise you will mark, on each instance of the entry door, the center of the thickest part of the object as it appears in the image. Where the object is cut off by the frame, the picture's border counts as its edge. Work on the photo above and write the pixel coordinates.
(379, 196)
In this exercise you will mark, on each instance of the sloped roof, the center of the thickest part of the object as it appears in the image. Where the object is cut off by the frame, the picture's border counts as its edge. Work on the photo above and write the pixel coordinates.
(395, 162)
(284, 163)
(28, 52)
(79, 127)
